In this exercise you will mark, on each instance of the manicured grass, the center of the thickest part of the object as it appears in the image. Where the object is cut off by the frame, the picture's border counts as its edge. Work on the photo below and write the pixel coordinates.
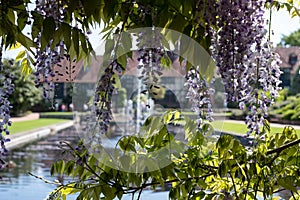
(238, 128)
(33, 124)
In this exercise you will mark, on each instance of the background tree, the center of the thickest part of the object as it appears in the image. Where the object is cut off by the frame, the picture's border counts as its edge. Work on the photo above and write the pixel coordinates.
(292, 39)
(25, 94)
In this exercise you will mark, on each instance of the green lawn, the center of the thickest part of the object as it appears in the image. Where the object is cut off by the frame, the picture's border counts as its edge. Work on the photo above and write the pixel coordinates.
(237, 128)
(33, 124)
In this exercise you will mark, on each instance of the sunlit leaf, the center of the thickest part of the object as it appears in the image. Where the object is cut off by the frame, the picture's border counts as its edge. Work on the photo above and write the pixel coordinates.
(15, 46)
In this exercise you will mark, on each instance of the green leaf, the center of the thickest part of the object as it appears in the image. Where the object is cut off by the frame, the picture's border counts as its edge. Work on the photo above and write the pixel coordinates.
(15, 46)
(22, 19)
(288, 183)
(25, 41)
(242, 169)
(26, 68)
(57, 37)
(11, 16)
(69, 189)
(109, 10)
(125, 161)
(52, 170)
(126, 42)
(122, 60)
(83, 43)
(267, 126)
(109, 46)
(163, 18)
(48, 28)
(187, 7)
(188, 30)
(75, 39)
(20, 55)
(109, 192)
(70, 168)
(37, 24)
(66, 30)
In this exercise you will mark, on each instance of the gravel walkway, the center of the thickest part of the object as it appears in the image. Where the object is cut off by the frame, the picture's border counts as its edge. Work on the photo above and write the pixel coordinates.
(31, 116)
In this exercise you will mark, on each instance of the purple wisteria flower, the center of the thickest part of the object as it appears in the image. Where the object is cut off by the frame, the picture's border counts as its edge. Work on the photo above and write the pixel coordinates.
(6, 89)
(150, 52)
(200, 94)
(48, 56)
(245, 58)
(103, 96)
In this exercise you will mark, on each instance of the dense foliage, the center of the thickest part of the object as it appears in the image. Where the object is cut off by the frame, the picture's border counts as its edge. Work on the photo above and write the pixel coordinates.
(208, 169)
(25, 94)
(232, 32)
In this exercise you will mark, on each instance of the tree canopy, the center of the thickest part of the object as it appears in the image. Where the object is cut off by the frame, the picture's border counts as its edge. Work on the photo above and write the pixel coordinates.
(292, 39)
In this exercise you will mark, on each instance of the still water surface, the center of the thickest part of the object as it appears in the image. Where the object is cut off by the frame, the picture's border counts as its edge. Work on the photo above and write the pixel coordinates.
(17, 184)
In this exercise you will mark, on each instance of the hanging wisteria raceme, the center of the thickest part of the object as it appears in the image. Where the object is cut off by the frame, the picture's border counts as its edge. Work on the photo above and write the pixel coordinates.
(264, 72)
(150, 52)
(6, 89)
(103, 96)
(245, 59)
(266, 67)
(45, 59)
(200, 94)
(234, 46)
(48, 56)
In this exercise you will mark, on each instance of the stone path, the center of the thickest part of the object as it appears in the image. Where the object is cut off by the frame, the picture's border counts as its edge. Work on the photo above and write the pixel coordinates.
(31, 116)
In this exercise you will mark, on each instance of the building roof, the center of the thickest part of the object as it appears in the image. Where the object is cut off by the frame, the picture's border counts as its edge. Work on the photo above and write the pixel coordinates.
(284, 53)
(78, 72)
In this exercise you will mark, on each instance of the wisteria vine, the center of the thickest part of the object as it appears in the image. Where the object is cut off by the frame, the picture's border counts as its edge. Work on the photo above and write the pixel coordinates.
(102, 107)
(200, 94)
(6, 89)
(48, 56)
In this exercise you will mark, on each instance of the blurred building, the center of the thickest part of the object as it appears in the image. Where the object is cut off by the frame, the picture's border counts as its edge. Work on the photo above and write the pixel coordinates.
(85, 76)
(290, 58)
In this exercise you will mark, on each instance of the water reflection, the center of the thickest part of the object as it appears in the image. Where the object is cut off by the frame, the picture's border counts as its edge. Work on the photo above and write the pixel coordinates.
(36, 158)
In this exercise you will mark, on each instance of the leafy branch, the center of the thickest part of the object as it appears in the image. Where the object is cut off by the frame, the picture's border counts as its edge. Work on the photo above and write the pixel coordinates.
(283, 147)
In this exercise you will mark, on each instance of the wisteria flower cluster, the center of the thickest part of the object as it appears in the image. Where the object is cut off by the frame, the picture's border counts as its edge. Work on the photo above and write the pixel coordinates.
(245, 59)
(103, 96)
(200, 94)
(6, 89)
(50, 8)
(150, 52)
(47, 57)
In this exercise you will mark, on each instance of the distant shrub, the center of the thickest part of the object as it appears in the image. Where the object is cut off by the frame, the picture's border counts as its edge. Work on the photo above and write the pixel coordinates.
(25, 94)
(288, 114)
